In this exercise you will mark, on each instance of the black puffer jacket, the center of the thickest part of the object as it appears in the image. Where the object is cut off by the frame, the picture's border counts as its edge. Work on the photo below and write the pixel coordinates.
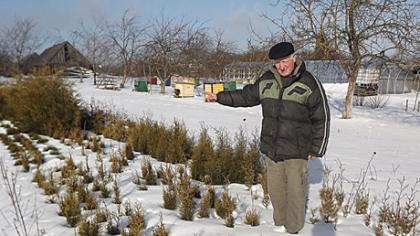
(296, 116)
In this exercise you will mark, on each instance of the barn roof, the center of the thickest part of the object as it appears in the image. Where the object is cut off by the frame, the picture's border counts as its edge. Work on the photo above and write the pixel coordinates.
(62, 54)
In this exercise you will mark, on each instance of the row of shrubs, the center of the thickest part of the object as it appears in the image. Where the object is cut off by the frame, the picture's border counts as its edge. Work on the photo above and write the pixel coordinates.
(48, 105)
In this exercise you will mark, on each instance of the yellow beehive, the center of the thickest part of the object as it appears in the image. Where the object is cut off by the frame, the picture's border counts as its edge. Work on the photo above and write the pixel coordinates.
(184, 89)
(213, 87)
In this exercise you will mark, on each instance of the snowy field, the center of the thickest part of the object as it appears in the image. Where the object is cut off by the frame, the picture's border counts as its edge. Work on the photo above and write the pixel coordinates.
(390, 132)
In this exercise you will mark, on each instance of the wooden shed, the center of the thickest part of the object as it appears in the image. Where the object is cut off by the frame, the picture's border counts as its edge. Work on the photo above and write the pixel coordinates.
(55, 59)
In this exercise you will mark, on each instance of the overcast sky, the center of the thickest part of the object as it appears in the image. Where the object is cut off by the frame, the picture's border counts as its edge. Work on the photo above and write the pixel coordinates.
(58, 17)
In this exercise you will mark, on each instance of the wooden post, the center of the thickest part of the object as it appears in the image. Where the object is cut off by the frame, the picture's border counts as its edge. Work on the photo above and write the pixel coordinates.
(406, 105)
(418, 106)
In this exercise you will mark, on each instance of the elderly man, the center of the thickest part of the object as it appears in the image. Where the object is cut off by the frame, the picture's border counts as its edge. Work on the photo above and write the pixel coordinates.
(295, 129)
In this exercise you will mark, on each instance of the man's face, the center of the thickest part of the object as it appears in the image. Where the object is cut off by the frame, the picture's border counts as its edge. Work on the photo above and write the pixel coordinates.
(285, 66)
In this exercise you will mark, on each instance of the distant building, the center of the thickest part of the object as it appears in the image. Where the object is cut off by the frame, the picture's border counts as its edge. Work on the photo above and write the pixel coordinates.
(55, 59)
(243, 72)
(374, 77)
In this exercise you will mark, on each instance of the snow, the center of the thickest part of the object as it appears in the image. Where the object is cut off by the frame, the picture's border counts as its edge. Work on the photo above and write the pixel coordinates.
(387, 138)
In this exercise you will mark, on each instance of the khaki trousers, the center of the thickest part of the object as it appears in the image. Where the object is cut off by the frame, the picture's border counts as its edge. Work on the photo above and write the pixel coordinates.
(287, 187)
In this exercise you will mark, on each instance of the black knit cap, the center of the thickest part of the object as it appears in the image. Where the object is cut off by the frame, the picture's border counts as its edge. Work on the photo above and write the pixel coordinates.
(281, 50)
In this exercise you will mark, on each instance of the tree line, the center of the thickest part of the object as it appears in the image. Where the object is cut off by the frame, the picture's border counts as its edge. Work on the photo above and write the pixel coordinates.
(128, 46)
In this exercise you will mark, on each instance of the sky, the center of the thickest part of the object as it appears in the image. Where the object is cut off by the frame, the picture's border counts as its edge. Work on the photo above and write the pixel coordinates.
(58, 17)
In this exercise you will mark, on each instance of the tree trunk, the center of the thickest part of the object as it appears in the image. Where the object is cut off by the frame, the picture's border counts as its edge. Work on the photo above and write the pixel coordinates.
(122, 85)
(417, 94)
(162, 86)
(348, 102)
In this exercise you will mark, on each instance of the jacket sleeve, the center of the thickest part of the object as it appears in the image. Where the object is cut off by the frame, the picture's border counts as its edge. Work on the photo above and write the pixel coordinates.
(247, 97)
(320, 119)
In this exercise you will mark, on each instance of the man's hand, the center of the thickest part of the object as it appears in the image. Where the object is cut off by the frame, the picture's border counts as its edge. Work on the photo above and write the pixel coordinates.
(311, 157)
(210, 97)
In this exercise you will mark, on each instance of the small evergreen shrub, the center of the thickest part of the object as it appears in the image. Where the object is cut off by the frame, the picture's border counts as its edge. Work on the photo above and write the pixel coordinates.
(160, 229)
(90, 201)
(69, 207)
(39, 178)
(137, 222)
(205, 203)
(225, 205)
(88, 228)
(101, 215)
(50, 186)
(128, 152)
(116, 188)
(362, 203)
(230, 221)
(252, 217)
(169, 198)
(202, 153)
(148, 173)
(116, 129)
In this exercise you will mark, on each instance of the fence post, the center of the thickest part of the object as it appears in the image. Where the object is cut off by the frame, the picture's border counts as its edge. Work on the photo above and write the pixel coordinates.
(418, 106)
(406, 105)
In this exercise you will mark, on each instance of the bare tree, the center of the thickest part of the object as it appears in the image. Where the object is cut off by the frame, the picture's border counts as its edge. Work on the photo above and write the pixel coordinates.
(93, 43)
(126, 38)
(169, 38)
(221, 53)
(5, 60)
(195, 50)
(353, 31)
(20, 39)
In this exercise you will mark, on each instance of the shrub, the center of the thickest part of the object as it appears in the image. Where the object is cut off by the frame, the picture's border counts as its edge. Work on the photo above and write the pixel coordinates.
(187, 205)
(362, 202)
(179, 145)
(88, 228)
(69, 207)
(128, 152)
(46, 105)
(139, 134)
(202, 153)
(328, 209)
(230, 221)
(12, 131)
(205, 203)
(160, 229)
(38, 177)
(223, 164)
(76, 135)
(116, 188)
(127, 208)
(225, 205)
(169, 198)
(136, 221)
(167, 175)
(252, 217)
(90, 201)
(148, 173)
(104, 190)
(101, 215)
(116, 129)
(50, 186)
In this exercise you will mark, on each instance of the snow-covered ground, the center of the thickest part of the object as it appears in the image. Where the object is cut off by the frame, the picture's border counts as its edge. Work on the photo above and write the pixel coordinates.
(391, 133)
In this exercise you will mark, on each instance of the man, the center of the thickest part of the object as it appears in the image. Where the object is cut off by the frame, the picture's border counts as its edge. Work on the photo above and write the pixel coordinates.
(295, 128)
